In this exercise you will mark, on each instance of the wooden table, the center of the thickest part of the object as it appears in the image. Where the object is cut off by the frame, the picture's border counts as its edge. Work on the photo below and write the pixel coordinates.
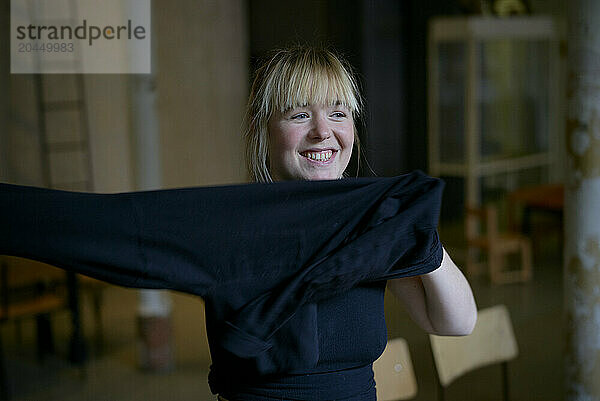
(546, 198)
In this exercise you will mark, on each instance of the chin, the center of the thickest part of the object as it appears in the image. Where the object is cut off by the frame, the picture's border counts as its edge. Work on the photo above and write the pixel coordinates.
(322, 177)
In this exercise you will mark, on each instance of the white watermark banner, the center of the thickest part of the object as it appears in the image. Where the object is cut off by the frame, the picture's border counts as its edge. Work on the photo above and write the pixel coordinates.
(80, 36)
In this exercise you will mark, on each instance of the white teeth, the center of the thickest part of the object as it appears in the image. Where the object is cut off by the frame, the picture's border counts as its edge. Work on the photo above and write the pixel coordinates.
(321, 156)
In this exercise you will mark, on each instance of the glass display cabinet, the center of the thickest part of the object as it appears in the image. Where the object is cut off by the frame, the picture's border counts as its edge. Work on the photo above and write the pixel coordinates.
(494, 102)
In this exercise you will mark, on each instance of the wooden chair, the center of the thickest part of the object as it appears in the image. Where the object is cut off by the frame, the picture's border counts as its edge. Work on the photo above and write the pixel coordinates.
(394, 375)
(29, 290)
(94, 289)
(496, 245)
(492, 341)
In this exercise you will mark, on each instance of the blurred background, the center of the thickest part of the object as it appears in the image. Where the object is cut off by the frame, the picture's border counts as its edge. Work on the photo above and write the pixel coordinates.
(471, 91)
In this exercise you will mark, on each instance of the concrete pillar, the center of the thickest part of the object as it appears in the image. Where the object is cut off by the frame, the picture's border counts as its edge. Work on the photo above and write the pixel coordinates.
(155, 344)
(582, 203)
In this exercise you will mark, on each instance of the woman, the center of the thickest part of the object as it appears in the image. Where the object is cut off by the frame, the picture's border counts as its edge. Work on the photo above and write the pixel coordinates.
(292, 274)
(300, 126)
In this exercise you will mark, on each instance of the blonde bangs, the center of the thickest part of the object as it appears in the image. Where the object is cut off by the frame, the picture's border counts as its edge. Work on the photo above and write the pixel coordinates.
(311, 78)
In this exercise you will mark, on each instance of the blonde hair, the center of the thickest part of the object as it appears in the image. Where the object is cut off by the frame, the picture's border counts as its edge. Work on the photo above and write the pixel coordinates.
(293, 77)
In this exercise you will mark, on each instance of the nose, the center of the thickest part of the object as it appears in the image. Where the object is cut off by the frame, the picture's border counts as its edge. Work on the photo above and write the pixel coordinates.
(320, 129)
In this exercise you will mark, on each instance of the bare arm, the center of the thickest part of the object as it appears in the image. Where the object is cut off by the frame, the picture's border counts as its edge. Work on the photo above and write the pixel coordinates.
(440, 302)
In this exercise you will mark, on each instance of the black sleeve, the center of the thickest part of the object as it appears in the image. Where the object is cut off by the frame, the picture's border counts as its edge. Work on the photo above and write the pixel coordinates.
(256, 252)
(93, 234)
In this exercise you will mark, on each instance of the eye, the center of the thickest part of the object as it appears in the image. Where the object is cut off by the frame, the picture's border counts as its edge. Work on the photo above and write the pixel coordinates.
(338, 114)
(299, 116)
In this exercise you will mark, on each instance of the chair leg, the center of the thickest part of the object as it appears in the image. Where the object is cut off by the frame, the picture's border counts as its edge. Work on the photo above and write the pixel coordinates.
(473, 265)
(45, 340)
(19, 333)
(441, 390)
(505, 392)
(471, 268)
(495, 263)
(77, 346)
(4, 390)
(99, 330)
(526, 263)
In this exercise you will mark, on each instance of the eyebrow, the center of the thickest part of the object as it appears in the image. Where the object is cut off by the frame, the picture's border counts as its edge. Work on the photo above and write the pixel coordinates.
(294, 106)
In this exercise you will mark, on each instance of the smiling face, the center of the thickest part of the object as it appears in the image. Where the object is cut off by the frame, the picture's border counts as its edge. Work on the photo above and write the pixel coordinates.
(300, 116)
(313, 142)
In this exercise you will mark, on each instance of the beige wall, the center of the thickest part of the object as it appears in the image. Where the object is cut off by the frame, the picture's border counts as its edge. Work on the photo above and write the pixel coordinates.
(202, 88)
(22, 162)
(109, 107)
(108, 115)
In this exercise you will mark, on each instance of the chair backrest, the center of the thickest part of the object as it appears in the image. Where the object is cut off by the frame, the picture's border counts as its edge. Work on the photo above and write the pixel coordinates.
(28, 288)
(394, 374)
(492, 341)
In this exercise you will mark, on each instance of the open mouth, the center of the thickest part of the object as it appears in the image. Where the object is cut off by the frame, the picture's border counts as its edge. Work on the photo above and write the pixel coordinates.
(319, 156)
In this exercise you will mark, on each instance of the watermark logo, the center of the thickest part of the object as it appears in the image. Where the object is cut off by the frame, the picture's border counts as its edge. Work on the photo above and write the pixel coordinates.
(80, 36)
